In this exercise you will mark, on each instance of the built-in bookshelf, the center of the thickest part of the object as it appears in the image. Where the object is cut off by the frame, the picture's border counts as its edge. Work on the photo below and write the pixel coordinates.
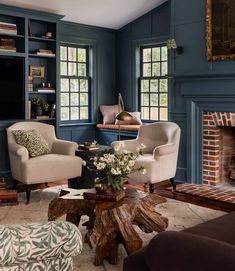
(33, 39)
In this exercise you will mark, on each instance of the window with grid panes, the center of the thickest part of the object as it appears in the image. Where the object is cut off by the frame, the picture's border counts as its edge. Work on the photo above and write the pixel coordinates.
(74, 83)
(154, 83)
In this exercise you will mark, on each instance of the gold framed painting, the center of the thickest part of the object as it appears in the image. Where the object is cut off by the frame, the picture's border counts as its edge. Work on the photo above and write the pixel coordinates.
(220, 29)
(37, 71)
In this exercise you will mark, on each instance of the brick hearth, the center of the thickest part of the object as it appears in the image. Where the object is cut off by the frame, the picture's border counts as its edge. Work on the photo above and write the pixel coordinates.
(218, 146)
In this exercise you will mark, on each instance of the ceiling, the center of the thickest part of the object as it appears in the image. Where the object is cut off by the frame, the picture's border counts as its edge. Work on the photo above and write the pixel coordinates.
(105, 13)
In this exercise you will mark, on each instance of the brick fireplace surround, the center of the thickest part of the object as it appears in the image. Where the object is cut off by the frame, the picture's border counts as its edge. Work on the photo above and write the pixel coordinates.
(218, 147)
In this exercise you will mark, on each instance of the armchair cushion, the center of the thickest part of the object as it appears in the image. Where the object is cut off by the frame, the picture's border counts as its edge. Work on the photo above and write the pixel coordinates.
(32, 141)
(39, 245)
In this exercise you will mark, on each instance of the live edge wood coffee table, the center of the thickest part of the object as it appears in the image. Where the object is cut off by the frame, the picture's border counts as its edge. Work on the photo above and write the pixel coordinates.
(111, 223)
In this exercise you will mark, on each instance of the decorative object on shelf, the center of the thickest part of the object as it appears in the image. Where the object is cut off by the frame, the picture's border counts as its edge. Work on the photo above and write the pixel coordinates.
(37, 71)
(39, 106)
(53, 111)
(116, 167)
(48, 35)
(122, 115)
(8, 28)
(29, 109)
(220, 30)
(171, 44)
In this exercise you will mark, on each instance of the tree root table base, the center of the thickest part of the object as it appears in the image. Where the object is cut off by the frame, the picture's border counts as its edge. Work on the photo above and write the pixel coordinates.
(111, 223)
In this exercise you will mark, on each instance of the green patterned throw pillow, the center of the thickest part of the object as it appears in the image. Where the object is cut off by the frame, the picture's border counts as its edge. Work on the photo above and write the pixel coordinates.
(32, 141)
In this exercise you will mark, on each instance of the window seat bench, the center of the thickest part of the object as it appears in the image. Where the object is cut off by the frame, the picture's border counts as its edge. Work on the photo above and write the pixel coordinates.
(107, 133)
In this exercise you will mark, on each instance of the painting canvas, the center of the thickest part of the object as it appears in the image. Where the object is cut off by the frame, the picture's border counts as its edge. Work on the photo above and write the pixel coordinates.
(220, 22)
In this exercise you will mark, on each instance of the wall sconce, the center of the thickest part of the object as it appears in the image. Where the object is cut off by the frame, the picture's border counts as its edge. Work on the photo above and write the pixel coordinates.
(171, 44)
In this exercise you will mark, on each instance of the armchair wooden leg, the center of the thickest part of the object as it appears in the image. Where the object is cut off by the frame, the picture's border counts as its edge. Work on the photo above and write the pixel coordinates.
(151, 188)
(173, 183)
(28, 192)
(15, 184)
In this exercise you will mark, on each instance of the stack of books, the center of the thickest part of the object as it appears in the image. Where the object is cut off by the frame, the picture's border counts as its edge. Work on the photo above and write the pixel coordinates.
(7, 45)
(30, 83)
(7, 196)
(45, 52)
(45, 90)
(109, 195)
(8, 28)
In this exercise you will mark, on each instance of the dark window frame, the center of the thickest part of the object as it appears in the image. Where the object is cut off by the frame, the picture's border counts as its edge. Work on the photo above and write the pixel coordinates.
(69, 77)
(153, 77)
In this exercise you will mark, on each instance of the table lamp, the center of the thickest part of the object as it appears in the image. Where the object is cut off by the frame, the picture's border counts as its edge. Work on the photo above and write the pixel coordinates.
(122, 115)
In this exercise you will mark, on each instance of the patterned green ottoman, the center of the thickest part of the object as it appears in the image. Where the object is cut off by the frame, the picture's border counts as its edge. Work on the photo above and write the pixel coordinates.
(39, 247)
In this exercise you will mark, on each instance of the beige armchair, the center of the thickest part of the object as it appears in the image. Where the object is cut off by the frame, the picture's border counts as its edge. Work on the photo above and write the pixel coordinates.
(160, 155)
(61, 163)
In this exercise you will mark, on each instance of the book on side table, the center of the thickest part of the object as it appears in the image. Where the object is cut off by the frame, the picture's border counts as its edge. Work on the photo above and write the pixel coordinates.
(109, 195)
(7, 196)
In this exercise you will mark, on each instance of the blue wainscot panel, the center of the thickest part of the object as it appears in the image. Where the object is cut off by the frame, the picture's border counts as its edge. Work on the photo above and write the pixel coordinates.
(77, 133)
(106, 137)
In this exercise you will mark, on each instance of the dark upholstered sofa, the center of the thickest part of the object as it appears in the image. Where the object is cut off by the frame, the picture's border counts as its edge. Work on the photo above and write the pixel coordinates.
(209, 246)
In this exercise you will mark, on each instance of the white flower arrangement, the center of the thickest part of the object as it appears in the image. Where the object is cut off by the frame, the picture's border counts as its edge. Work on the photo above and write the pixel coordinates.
(117, 167)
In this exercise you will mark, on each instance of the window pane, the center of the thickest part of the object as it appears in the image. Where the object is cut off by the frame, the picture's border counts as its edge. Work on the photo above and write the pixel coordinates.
(156, 69)
(64, 112)
(84, 113)
(164, 68)
(154, 86)
(63, 53)
(144, 85)
(146, 55)
(163, 100)
(154, 100)
(145, 113)
(145, 99)
(163, 85)
(74, 113)
(163, 113)
(147, 69)
(64, 99)
(81, 55)
(74, 96)
(154, 113)
(156, 54)
(64, 85)
(72, 54)
(74, 99)
(83, 99)
(81, 69)
(72, 69)
(63, 68)
(74, 85)
(164, 53)
(83, 85)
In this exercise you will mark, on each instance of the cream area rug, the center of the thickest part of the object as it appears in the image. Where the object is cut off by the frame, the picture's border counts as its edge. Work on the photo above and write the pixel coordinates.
(181, 215)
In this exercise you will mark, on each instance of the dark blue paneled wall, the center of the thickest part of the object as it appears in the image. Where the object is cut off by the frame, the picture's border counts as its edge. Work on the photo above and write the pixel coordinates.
(153, 27)
(198, 85)
(102, 43)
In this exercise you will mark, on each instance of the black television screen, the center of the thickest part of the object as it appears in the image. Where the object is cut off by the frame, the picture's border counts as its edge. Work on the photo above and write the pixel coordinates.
(11, 88)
